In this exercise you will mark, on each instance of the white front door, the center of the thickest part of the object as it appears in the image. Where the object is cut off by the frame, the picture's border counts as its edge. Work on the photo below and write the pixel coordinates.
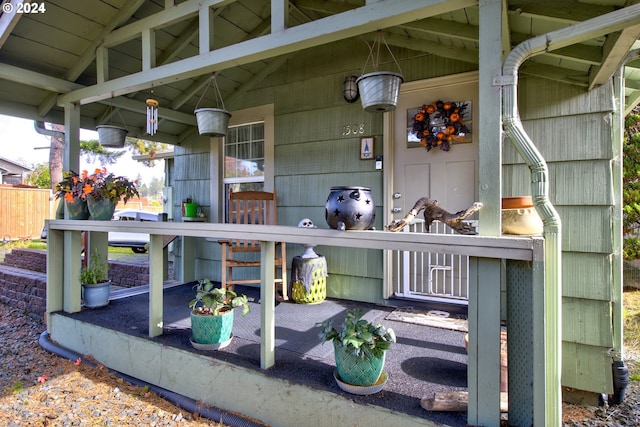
(450, 177)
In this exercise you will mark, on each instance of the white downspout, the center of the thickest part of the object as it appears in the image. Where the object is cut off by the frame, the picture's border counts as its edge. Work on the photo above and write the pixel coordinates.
(550, 393)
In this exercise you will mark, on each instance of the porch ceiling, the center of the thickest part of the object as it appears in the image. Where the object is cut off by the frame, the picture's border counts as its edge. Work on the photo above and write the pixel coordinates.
(109, 54)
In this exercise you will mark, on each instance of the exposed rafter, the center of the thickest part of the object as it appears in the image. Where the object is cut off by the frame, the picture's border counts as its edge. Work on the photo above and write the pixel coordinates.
(614, 51)
(368, 18)
(89, 53)
(9, 20)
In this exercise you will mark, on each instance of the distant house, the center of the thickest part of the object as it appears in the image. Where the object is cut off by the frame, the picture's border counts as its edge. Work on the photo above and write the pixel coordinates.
(12, 172)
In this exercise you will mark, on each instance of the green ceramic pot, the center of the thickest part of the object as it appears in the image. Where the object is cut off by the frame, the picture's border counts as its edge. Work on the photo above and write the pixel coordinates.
(101, 209)
(211, 329)
(77, 210)
(355, 370)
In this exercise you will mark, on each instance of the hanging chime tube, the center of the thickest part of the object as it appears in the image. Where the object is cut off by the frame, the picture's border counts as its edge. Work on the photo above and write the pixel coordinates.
(152, 116)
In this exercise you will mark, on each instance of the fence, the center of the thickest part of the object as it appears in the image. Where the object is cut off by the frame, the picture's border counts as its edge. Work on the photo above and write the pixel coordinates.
(23, 211)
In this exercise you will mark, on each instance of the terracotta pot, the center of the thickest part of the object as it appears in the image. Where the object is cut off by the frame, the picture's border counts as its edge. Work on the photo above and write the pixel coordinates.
(517, 202)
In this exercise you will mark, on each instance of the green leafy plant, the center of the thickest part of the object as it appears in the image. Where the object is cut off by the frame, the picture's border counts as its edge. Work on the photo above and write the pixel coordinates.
(631, 185)
(363, 338)
(211, 301)
(95, 272)
(103, 185)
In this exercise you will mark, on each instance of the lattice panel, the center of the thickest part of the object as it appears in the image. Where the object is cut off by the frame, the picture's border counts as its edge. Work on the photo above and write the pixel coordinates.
(520, 345)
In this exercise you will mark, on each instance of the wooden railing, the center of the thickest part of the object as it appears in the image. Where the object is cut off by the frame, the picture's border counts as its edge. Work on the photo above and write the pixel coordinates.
(486, 256)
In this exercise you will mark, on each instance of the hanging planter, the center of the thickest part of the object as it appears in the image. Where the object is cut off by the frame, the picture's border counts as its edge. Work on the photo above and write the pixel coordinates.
(212, 121)
(379, 90)
(112, 136)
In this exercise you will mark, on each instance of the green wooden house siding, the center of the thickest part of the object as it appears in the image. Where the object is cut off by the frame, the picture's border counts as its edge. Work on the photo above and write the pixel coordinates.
(573, 131)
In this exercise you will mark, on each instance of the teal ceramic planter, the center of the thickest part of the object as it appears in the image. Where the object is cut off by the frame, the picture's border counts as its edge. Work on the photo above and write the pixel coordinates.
(211, 329)
(77, 209)
(101, 209)
(355, 370)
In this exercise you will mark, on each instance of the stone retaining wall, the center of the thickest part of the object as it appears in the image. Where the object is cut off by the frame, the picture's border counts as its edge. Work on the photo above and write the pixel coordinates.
(23, 279)
(23, 289)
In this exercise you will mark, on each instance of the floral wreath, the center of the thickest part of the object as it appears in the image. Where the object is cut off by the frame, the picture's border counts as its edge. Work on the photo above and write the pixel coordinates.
(440, 123)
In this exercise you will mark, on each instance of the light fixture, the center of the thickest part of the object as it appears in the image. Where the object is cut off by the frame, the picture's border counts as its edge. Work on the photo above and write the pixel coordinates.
(152, 115)
(350, 89)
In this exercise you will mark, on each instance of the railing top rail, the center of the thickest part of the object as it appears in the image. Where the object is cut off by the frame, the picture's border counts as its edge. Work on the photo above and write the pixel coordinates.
(511, 247)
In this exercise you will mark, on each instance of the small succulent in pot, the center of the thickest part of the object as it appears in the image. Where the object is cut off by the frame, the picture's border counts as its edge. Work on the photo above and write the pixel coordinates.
(358, 336)
(212, 301)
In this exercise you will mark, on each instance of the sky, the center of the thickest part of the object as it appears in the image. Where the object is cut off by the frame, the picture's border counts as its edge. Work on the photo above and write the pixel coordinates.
(19, 142)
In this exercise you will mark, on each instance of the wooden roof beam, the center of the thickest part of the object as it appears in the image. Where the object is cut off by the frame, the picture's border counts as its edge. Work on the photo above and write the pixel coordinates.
(181, 12)
(362, 20)
(89, 53)
(9, 20)
(465, 55)
(614, 52)
(41, 81)
(563, 11)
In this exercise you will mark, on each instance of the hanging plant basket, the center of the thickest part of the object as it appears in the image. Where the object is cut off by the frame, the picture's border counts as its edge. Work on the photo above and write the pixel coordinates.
(379, 90)
(112, 136)
(212, 121)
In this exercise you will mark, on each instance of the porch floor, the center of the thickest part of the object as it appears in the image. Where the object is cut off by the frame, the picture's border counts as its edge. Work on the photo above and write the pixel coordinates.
(425, 360)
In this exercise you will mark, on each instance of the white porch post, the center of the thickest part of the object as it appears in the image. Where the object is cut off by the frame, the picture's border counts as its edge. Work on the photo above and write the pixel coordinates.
(72, 239)
(156, 273)
(267, 305)
(485, 289)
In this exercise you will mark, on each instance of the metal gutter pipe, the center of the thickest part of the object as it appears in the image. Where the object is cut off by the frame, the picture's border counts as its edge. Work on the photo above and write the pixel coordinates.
(550, 393)
(42, 130)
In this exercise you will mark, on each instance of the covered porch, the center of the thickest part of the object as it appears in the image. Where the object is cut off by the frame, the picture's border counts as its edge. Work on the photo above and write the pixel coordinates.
(278, 372)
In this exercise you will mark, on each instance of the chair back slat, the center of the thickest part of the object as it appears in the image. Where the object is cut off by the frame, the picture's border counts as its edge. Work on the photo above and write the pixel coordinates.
(252, 207)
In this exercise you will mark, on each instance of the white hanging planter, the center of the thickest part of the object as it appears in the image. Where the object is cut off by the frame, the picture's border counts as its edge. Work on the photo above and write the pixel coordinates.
(379, 90)
(112, 136)
(212, 121)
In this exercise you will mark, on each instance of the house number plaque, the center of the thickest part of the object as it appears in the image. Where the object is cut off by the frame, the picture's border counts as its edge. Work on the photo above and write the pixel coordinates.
(354, 129)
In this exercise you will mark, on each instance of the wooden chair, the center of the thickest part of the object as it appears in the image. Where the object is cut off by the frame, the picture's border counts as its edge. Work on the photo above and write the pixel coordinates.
(251, 207)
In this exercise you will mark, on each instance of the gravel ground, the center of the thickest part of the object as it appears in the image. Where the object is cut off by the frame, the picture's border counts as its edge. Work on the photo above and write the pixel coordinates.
(41, 389)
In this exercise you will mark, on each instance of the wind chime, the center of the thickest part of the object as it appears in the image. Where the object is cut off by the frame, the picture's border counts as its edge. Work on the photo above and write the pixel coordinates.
(152, 115)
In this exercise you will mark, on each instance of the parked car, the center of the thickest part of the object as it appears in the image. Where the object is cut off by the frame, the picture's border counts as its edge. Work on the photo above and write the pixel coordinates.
(138, 242)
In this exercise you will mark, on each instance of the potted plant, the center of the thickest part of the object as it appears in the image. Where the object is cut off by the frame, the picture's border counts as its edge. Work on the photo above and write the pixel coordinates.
(104, 190)
(69, 190)
(359, 347)
(212, 315)
(95, 282)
